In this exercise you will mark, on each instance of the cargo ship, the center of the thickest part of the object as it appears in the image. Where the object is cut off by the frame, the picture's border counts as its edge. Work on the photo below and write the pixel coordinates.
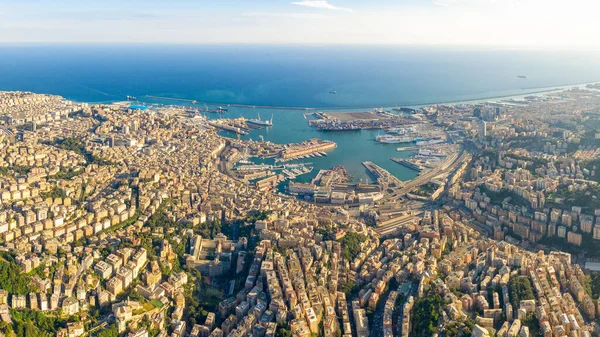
(389, 139)
(219, 110)
(258, 121)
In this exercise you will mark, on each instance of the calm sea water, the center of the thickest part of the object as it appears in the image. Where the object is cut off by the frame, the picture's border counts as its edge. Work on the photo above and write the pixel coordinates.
(299, 76)
(288, 75)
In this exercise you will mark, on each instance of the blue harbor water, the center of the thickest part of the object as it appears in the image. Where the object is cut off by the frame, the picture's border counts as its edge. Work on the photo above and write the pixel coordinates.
(294, 76)
(353, 147)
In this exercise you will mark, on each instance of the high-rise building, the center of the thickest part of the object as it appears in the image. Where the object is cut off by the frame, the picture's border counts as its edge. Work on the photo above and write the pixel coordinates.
(482, 130)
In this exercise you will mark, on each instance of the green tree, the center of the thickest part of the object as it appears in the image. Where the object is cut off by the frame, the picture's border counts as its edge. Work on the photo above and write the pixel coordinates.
(426, 314)
(11, 278)
(351, 245)
(111, 331)
(519, 289)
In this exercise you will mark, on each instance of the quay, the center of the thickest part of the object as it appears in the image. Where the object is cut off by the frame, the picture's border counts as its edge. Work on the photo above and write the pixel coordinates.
(384, 178)
(226, 127)
(374, 169)
(238, 126)
(306, 148)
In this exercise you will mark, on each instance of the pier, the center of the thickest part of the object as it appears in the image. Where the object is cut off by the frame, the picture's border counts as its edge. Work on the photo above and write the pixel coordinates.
(306, 149)
(226, 127)
(384, 178)
(238, 125)
(374, 169)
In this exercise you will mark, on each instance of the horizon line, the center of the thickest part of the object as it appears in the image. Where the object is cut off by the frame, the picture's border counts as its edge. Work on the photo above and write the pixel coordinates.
(301, 44)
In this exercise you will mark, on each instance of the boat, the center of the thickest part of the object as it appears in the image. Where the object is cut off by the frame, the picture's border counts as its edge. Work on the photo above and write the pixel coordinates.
(218, 110)
(131, 98)
(389, 139)
(522, 76)
(258, 121)
(333, 92)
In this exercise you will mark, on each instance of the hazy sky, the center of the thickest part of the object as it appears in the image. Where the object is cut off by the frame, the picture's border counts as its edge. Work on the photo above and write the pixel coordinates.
(515, 23)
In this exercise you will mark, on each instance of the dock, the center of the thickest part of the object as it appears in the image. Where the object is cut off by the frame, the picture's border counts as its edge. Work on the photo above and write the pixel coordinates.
(306, 149)
(383, 177)
(374, 169)
(229, 128)
(238, 125)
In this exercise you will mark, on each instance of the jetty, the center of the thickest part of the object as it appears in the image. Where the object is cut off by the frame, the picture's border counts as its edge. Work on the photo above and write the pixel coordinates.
(238, 126)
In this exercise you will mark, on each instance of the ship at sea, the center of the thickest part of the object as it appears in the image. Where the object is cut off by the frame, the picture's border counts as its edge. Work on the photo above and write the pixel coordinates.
(131, 98)
(389, 139)
(258, 121)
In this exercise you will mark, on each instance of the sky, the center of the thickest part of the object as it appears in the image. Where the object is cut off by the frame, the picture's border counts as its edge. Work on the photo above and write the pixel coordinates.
(563, 24)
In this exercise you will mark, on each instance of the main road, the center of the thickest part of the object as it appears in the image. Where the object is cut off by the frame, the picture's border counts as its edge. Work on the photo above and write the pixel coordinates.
(449, 165)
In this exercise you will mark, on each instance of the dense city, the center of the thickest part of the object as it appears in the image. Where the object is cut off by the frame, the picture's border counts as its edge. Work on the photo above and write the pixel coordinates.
(122, 220)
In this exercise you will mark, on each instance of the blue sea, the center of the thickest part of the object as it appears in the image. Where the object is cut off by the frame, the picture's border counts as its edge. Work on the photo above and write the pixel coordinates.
(300, 76)
(295, 76)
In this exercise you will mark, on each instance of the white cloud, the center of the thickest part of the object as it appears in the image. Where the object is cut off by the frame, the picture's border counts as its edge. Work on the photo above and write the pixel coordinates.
(288, 15)
(472, 3)
(321, 5)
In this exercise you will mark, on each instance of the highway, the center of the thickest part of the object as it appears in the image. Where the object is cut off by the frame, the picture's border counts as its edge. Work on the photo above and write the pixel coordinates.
(448, 166)
(400, 221)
